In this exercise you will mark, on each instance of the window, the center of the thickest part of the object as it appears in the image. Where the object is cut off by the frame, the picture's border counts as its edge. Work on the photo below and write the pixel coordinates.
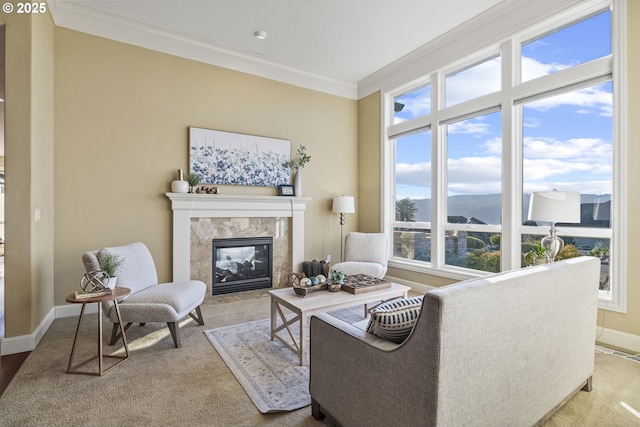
(413, 104)
(567, 47)
(411, 234)
(474, 151)
(473, 82)
(538, 113)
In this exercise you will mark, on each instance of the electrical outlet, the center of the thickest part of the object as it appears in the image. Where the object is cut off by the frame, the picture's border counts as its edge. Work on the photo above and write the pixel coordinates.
(37, 214)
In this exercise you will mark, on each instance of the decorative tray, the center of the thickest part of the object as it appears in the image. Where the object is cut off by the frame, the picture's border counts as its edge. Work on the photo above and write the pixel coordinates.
(359, 283)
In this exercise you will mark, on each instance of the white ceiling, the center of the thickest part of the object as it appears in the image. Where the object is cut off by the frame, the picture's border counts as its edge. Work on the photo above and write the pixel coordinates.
(326, 45)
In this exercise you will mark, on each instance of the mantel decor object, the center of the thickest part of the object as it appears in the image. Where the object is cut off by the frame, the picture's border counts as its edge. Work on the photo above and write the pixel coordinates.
(297, 165)
(179, 185)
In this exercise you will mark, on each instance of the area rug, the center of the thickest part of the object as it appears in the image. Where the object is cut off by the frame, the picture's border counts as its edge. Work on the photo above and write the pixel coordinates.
(268, 371)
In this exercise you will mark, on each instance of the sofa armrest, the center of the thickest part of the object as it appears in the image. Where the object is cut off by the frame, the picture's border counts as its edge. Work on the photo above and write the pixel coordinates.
(347, 361)
(342, 327)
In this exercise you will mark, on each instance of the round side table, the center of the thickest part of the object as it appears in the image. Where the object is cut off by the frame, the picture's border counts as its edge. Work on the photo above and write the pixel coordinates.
(117, 294)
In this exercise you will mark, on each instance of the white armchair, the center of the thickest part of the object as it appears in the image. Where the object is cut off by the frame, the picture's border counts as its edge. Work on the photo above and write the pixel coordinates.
(365, 253)
(148, 301)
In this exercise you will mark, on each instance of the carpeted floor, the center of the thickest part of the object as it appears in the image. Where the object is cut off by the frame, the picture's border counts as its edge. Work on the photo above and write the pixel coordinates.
(191, 386)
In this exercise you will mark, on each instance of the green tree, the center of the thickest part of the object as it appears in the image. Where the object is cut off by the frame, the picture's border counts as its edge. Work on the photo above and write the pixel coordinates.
(405, 210)
(474, 243)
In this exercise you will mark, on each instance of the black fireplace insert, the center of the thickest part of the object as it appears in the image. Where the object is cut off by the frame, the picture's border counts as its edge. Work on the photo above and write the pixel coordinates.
(242, 264)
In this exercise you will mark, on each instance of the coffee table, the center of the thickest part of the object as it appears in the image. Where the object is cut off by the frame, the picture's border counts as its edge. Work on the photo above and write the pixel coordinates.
(318, 302)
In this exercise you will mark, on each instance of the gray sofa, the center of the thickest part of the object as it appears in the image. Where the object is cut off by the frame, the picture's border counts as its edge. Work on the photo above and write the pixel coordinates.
(504, 350)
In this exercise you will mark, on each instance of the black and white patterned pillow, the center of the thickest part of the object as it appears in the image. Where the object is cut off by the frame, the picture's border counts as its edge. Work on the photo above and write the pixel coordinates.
(394, 320)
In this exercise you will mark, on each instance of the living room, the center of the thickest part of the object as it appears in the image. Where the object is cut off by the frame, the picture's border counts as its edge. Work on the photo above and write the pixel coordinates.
(106, 129)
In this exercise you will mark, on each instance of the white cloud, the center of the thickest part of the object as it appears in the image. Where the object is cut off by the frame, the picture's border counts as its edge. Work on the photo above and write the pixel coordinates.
(469, 127)
(473, 82)
(585, 100)
(416, 103)
(417, 174)
(494, 145)
(532, 69)
(593, 149)
(473, 169)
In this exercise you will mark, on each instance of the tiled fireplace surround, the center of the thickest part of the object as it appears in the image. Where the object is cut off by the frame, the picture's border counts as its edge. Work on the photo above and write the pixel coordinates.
(199, 218)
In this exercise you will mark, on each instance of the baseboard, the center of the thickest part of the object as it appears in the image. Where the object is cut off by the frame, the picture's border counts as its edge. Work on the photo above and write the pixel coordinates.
(70, 310)
(22, 343)
(618, 339)
(29, 342)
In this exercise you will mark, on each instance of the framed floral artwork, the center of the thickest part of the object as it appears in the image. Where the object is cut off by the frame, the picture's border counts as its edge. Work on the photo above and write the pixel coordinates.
(227, 158)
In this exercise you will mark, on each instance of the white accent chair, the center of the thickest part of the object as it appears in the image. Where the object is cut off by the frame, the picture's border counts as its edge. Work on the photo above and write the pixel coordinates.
(148, 301)
(364, 253)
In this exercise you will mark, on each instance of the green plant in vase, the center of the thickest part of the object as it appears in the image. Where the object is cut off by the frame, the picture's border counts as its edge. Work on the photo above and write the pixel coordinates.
(537, 255)
(193, 179)
(110, 263)
(296, 164)
(337, 276)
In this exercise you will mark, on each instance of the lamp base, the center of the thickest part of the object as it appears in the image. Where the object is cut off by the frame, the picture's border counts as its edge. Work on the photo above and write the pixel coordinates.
(553, 245)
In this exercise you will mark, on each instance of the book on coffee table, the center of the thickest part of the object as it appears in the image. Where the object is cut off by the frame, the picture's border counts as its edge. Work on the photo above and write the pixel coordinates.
(359, 283)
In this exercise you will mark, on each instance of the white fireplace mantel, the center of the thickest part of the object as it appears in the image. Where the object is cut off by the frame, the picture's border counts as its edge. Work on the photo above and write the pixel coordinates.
(186, 206)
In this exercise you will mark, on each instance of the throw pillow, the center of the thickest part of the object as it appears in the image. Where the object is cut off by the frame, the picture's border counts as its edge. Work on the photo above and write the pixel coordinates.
(394, 320)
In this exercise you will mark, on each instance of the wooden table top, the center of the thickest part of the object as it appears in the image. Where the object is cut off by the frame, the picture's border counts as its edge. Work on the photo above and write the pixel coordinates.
(117, 293)
(324, 300)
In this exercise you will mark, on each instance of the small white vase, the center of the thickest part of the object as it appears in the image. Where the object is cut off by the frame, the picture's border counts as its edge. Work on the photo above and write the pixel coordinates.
(297, 183)
(178, 186)
(111, 284)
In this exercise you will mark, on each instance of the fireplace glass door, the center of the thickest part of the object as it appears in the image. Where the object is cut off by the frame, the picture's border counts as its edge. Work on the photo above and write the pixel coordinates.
(241, 264)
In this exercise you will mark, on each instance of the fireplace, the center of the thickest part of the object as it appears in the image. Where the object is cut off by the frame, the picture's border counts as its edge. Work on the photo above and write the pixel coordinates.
(241, 264)
(199, 218)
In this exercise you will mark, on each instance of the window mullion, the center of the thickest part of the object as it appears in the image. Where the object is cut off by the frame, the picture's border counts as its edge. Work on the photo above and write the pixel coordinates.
(438, 174)
(511, 182)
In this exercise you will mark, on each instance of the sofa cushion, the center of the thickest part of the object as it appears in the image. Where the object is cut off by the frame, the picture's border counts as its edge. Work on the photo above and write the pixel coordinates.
(394, 320)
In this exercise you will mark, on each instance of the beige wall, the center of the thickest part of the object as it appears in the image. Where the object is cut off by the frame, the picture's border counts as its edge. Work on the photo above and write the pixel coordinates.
(369, 157)
(122, 115)
(29, 171)
(369, 124)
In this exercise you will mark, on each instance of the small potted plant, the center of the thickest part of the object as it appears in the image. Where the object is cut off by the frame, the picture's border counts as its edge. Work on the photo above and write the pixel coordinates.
(337, 280)
(109, 263)
(537, 255)
(193, 179)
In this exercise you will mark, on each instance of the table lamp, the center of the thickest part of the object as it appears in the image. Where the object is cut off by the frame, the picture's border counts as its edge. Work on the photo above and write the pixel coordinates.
(554, 206)
(343, 205)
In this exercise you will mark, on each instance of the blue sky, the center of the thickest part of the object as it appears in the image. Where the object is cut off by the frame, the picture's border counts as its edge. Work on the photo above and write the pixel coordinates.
(567, 138)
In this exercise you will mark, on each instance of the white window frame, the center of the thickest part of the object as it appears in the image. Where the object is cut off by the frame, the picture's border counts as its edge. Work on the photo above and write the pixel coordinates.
(510, 100)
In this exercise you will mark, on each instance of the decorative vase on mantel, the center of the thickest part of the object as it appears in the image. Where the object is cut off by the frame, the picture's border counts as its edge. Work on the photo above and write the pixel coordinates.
(297, 182)
(179, 185)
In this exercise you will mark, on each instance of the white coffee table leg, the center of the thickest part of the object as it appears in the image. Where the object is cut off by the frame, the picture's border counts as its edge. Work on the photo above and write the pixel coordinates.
(303, 339)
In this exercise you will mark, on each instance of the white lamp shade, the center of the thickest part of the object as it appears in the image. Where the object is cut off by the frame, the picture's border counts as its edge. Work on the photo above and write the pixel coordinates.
(344, 204)
(555, 206)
